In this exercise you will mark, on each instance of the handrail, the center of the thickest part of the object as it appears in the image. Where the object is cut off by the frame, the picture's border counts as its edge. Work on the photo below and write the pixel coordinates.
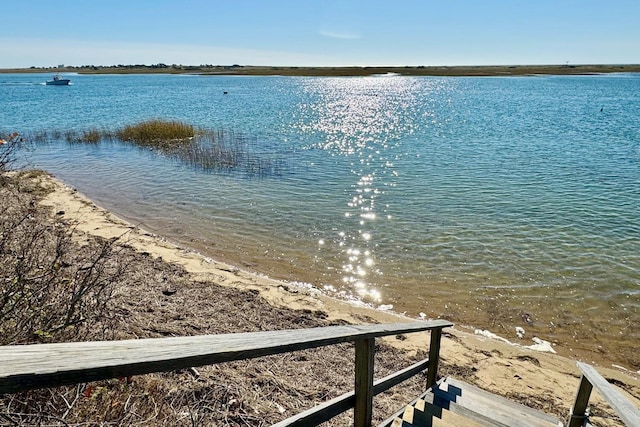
(627, 412)
(340, 404)
(26, 367)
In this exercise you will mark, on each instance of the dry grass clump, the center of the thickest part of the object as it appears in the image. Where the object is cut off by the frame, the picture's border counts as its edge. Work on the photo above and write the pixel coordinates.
(152, 132)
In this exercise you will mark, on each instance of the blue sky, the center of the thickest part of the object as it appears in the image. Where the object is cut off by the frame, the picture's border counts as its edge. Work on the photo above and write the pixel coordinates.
(319, 32)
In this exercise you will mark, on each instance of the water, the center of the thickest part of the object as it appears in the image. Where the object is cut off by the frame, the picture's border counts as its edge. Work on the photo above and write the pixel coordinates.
(494, 202)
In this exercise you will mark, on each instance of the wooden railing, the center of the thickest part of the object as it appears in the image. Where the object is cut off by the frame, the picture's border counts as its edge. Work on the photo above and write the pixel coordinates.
(27, 367)
(627, 412)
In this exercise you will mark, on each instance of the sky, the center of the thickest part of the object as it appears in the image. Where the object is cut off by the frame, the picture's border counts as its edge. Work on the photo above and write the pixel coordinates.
(319, 32)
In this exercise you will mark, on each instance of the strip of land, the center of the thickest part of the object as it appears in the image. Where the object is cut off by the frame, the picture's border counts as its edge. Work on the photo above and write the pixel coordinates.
(250, 70)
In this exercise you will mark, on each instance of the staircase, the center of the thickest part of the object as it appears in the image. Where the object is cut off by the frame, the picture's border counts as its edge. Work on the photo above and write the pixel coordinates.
(455, 403)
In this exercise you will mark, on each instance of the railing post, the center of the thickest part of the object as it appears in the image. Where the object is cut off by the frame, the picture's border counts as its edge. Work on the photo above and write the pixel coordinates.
(577, 415)
(363, 409)
(434, 357)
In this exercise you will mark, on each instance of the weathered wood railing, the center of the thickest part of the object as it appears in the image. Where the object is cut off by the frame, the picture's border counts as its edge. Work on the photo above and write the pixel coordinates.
(628, 413)
(28, 367)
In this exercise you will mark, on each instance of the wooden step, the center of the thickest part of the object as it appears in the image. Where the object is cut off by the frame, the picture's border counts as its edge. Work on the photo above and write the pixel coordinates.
(455, 403)
(485, 408)
(424, 414)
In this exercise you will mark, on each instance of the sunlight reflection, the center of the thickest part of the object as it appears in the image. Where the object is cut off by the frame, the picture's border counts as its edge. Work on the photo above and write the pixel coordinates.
(362, 118)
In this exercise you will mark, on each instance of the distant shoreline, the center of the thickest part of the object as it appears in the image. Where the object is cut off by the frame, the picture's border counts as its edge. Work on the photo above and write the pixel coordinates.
(454, 71)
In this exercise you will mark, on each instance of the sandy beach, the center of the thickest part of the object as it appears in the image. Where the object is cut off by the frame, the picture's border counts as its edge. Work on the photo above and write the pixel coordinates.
(540, 379)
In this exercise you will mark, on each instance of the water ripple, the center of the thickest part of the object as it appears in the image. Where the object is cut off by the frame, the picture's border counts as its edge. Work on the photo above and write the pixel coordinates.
(410, 191)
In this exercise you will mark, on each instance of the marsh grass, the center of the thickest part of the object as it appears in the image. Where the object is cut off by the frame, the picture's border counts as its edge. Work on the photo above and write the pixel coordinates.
(91, 136)
(221, 151)
(212, 151)
(153, 132)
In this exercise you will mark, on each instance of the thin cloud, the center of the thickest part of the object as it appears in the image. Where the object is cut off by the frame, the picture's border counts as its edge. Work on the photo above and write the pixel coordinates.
(340, 35)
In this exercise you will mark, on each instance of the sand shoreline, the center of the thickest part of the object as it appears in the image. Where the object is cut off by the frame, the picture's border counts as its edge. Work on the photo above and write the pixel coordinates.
(582, 334)
(497, 365)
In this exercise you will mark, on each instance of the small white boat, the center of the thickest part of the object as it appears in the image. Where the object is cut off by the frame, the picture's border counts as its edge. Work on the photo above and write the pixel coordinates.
(58, 81)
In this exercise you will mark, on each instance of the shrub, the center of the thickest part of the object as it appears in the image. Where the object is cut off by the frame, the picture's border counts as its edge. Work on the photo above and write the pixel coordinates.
(51, 288)
(8, 147)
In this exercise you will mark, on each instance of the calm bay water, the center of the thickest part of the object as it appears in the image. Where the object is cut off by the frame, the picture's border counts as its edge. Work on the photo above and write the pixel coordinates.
(496, 202)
